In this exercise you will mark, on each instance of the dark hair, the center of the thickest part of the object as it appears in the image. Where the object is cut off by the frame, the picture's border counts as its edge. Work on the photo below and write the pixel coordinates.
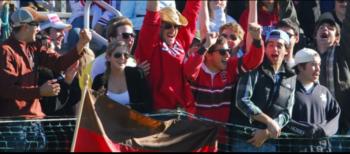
(288, 23)
(219, 41)
(113, 25)
(303, 65)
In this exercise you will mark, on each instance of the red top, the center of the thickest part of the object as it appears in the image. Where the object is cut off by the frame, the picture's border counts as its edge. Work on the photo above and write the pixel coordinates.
(166, 79)
(19, 92)
(213, 91)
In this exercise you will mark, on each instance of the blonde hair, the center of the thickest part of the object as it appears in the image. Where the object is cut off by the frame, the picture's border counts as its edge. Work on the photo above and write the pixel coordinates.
(235, 27)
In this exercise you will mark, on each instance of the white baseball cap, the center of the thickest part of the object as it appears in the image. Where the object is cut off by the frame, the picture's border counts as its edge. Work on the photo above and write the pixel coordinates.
(55, 22)
(304, 55)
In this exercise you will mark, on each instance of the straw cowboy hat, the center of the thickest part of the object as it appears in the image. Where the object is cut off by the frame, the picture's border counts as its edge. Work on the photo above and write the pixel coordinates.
(171, 15)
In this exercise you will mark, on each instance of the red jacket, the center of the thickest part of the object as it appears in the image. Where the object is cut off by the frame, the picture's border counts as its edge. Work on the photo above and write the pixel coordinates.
(213, 91)
(19, 92)
(166, 79)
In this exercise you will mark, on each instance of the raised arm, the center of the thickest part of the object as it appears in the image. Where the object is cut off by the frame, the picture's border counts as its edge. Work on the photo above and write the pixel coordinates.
(253, 59)
(204, 19)
(186, 34)
(149, 32)
(252, 18)
(195, 60)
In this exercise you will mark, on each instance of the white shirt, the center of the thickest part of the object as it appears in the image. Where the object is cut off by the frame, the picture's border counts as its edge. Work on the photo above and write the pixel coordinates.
(122, 98)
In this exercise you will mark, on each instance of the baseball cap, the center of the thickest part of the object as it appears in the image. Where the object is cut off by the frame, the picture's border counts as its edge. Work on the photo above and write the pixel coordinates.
(54, 22)
(304, 55)
(326, 19)
(277, 34)
(26, 15)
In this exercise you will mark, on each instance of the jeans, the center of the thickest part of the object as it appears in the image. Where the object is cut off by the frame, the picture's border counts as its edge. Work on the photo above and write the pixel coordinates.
(22, 137)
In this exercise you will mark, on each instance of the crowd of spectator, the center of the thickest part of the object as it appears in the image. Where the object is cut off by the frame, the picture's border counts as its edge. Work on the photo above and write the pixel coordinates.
(273, 65)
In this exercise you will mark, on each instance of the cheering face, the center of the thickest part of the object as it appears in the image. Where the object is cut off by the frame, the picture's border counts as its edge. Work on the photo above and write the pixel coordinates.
(310, 72)
(234, 42)
(219, 58)
(169, 32)
(118, 58)
(275, 51)
(326, 34)
(57, 36)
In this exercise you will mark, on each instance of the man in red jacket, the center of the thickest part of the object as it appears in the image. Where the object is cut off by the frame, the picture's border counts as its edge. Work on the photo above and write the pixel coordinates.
(165, 37)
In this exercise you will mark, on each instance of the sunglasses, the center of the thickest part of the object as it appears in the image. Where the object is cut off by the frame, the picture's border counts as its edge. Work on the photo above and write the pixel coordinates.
(128, 35)
(119, 54)
(33, 24)
(224, 51)
(232, 37)
(169, 25)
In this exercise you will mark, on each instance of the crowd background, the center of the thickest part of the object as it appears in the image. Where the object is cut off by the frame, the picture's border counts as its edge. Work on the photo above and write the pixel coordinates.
(252, 63)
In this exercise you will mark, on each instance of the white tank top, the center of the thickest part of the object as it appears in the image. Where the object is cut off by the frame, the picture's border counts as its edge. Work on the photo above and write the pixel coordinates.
(122, 98)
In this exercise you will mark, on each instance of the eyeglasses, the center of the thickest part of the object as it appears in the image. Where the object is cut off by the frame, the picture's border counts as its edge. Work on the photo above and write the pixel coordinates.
(33, 24)
(128, 35)
(119, 54)
(169, 25)
(232, 37)
(224, 51)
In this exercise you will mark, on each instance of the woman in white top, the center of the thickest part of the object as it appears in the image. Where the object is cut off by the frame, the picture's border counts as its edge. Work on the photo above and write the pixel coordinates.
(123, 84)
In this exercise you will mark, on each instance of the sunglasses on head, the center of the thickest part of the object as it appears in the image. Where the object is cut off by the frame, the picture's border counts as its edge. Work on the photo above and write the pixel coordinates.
(119, 54)
(224, 51)
(169, 25)
(232, 37)
(128, 35)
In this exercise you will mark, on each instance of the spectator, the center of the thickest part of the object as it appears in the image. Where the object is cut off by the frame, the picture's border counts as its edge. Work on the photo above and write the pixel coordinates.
(265, 97)
(333, 46)
(338, 14)
(21, 54)
(165, 37)
(213, 72)
(292, 30)
(123, 84)
(213, 16)
(267, 14)
(6, 9)
(316, 112)
(308, 14)
(118, 29)
(52, 36)
(136, 11)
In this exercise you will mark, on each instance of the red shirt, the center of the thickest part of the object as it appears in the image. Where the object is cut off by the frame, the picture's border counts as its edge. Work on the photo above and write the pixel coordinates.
(213, 91)
(166, 79)
(19, 92)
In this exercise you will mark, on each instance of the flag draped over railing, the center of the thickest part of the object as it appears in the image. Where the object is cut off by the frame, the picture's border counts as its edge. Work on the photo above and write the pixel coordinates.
(108, 126)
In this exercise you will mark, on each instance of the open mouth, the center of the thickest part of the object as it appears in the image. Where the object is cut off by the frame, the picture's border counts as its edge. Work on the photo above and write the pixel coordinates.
(324, 35)
(171, 35)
